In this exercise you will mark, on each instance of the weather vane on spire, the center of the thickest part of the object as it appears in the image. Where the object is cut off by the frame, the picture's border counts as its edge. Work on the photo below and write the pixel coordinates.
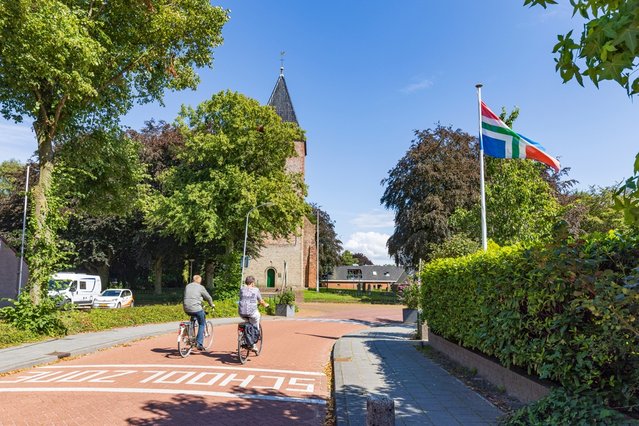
(282, 53)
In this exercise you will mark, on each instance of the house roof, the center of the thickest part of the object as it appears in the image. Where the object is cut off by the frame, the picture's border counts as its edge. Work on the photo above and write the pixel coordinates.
(281, 100)
(382, 273)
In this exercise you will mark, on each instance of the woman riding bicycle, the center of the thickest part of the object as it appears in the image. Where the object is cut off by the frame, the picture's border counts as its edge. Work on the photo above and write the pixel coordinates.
(194, 293)
(250, 297)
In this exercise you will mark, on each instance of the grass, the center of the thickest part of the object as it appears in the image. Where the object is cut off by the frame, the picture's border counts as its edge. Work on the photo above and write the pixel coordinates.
(80, 321)
(350, 296)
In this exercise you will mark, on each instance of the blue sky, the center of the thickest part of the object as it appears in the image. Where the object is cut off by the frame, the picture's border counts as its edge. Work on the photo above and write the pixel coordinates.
(363, 75)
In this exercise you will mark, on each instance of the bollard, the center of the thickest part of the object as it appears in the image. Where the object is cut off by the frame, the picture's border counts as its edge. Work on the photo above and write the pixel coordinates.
(380, 411)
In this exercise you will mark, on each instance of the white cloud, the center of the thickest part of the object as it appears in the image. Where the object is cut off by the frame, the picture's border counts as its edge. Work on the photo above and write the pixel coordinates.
(420, 85)
(372, 244)
(375, 219)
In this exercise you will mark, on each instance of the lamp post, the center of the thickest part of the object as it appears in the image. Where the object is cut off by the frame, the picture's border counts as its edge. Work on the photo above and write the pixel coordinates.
(246, 236)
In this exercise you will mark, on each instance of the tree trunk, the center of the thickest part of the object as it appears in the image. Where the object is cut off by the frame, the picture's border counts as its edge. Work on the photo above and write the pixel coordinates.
(42, 239)
(157, 275)
(209, 265)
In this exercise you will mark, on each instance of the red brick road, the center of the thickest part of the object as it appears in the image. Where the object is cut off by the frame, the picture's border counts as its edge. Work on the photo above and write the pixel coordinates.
(147, 382)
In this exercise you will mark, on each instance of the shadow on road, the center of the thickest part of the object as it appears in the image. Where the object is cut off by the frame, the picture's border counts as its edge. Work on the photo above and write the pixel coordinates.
(199, 410)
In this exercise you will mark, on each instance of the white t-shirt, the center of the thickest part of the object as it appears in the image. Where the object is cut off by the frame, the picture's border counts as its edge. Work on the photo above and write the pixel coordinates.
(249, 297)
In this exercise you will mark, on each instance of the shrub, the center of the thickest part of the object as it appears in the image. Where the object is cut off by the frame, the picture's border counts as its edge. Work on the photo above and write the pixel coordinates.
(286, 297)
(409, 295)
(563, 408)
(567, 312)
(40, 319)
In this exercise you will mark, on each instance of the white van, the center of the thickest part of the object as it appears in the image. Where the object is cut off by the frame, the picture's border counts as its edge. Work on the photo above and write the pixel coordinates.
(79, 289)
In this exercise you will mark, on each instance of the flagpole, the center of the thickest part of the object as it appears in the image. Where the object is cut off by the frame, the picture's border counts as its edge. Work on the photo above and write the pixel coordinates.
(484, 238)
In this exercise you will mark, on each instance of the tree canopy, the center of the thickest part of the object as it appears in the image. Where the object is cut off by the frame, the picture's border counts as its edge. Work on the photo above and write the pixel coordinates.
(438, 174)
(74, 67)
(608, 46)
(233, 159)
(329, 245)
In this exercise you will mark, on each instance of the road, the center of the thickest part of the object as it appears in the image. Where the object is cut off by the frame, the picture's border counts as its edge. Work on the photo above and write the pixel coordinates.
(147, 382)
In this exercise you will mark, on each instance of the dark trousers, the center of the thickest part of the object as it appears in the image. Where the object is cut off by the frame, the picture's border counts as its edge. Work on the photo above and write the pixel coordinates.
(201, 320)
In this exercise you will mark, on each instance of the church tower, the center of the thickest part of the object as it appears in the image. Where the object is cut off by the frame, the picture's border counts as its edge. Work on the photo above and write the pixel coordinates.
(292, 261)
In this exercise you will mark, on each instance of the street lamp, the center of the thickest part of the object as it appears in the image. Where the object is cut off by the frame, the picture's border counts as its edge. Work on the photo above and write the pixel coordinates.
(246, 236)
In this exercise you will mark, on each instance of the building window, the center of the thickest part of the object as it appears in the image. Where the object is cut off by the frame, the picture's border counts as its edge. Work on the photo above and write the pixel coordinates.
(354, 274)
(387, 274)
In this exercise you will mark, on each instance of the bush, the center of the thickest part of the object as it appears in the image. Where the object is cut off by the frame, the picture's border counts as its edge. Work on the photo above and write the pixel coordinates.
(562, 408)
(40, 319)
(286, 297)
(567, 312)
(409, 295)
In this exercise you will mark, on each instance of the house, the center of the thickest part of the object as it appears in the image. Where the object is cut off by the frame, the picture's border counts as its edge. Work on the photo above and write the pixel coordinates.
(291, 261)
(9, 271)
(366, 277)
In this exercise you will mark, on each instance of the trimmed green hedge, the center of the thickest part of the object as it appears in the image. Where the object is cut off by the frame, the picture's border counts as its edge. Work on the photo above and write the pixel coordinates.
(79, 321)
(567, 312)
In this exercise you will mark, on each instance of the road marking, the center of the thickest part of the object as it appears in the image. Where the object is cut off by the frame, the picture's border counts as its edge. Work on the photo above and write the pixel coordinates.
(266, 370)
(172, 392)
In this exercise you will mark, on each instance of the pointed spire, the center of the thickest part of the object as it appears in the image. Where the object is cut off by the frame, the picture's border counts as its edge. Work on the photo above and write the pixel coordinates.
(281, 100)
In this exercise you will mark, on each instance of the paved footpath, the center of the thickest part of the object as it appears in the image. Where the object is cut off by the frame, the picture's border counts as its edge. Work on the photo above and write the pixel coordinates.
(144, 381)
(383, 361)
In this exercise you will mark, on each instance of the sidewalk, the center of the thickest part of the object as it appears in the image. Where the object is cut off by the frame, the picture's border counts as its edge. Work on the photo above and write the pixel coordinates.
(32, 354)
(383, 361)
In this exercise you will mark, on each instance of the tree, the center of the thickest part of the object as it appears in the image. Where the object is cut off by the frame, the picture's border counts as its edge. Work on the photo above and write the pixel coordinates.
(438, 174)
(233, 159)
(329, 245)
(77, 66)
(347, 258)
(608, 43)
(520, 204)
(361, 259)
(592, 211)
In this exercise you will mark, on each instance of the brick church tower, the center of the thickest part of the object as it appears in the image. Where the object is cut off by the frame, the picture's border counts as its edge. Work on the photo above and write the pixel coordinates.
(292, 261)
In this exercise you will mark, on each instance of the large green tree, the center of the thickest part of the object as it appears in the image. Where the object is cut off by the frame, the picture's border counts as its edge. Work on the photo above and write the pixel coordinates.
(234, 159)
(438, 174)
(73, 66)
(330, 246)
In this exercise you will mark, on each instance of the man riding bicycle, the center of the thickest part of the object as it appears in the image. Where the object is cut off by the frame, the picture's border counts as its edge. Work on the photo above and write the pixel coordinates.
(194, 293)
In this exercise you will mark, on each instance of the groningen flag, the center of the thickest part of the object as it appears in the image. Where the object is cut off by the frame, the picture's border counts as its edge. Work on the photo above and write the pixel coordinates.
(501, 141)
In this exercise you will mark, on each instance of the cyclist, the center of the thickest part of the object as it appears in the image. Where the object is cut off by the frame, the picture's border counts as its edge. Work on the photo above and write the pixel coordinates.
(194, 293)
(250, 297)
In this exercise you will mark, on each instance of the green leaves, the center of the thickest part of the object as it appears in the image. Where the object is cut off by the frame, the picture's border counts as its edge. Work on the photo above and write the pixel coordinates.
(538, 307)
(607, 49)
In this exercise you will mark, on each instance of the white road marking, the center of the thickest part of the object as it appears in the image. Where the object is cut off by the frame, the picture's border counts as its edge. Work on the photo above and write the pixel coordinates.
(172, 392)
(166, 366)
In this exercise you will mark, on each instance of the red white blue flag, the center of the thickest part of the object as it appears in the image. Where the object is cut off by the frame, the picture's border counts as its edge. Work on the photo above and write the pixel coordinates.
(501, 141)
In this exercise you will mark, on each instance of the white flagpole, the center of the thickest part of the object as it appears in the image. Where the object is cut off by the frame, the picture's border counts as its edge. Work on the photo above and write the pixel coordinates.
(484, 238)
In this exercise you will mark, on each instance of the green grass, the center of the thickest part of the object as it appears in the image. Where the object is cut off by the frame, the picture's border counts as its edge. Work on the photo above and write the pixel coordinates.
(80, 321)
(350, 296)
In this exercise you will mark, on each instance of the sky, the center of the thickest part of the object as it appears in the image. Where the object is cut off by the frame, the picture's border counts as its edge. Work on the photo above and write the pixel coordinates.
(363, 75)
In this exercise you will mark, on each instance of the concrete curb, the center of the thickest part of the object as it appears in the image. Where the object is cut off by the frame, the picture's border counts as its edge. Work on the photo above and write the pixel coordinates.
(39, 353)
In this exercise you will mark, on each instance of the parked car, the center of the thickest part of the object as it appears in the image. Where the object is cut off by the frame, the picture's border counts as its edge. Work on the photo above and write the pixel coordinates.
(71, 287)
(114, 298)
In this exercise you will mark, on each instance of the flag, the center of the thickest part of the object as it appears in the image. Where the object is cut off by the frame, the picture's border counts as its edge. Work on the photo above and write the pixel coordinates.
(501, 141)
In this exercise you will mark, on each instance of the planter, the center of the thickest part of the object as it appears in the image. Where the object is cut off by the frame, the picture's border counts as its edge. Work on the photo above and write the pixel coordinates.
(409, 315)
(285, 310)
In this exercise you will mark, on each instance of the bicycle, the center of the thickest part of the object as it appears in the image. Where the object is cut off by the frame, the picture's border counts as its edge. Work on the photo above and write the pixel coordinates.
(243, 349)
(187, 336)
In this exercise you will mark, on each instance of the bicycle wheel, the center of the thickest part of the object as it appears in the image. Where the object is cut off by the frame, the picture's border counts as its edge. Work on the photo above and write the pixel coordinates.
(184, 343)
(242, 348)
(259, 341)
(208, 335)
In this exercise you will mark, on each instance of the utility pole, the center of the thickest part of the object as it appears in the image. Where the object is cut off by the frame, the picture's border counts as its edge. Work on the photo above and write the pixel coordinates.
(317, 252)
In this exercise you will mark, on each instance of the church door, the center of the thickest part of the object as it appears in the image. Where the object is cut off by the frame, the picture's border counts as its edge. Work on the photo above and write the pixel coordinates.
(270, 278)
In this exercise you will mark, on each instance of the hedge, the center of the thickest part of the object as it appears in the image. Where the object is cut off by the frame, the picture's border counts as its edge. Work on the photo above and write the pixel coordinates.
(567, 311)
